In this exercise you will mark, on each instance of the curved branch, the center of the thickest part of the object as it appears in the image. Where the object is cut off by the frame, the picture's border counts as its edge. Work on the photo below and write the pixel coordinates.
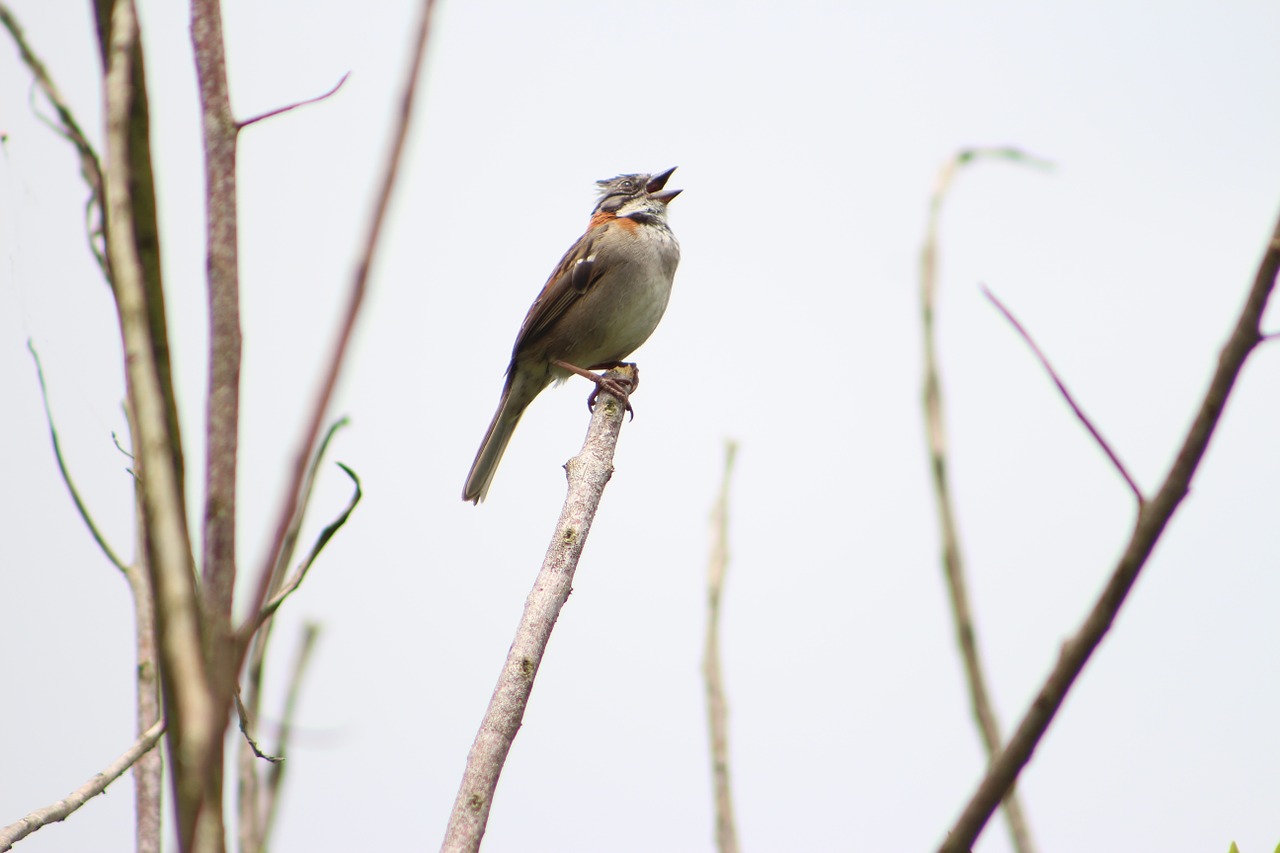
(66, 475)
(984, 713)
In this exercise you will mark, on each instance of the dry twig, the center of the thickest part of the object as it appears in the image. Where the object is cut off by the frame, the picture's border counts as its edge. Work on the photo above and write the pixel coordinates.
(1152, 518)
(60, 810)
(717, 708)
(588, 472)
(359, 285)
(952, 557)
(69, 129)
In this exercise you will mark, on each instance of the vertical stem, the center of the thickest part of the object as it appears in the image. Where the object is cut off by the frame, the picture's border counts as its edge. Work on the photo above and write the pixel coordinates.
(717, 707)
(952, 560)
(223, 403)
(189, 706)
(149, 769)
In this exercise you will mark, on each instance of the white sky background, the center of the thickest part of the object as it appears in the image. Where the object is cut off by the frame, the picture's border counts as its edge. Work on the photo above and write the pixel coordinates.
(808, 136)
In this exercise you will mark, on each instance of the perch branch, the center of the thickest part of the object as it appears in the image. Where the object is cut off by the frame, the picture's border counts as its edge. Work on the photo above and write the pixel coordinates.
(1152, 518)
(588, 472)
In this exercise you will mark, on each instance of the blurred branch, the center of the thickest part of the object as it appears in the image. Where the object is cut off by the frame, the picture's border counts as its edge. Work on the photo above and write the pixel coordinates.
(219, 131)
(275, 774)
(245, 724)
(146, 235)
(935, 427)
(255, 633)
(717, 709)
(148, 771)
(255, 622)
(279, 110)
(587, 473)
(359, 285)
(69, 129)
(60, 810)
(66, 475)
(1152, 518)
(193, 725)
(1083, 418)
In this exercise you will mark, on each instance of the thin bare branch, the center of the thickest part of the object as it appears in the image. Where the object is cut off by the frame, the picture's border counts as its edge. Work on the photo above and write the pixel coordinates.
(69, 129)
(391, 166)
(243, 715)
(252, 826)
(278, 110)
(1152, 518)
(717, 707)
(588, 473)
(192, 717)
(1053, 374)
(60, 810)
(984, 713)
(275, 774)
(220, 132)
(269, 609)
(66, 475)
(148, 772)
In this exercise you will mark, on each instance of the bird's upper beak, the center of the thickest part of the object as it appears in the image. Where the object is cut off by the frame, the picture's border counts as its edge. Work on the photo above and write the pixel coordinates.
(657, 182)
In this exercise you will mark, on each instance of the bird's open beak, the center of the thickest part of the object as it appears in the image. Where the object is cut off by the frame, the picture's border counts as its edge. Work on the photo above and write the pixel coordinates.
(657, 182)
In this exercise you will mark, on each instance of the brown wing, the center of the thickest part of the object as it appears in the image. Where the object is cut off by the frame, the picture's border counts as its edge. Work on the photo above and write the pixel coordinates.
(573, 276)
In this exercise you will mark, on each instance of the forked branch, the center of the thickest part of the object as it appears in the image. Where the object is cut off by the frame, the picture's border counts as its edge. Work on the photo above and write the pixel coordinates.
(1153, 516)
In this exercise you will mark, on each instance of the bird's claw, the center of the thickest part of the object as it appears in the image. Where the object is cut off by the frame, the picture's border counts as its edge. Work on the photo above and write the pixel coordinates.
(614, 388)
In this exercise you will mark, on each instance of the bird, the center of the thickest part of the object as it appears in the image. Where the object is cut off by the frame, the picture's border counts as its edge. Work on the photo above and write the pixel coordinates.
(604, 299)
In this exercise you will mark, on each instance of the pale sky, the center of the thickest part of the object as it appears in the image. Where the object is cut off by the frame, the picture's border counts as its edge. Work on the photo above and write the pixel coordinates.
(808, 136)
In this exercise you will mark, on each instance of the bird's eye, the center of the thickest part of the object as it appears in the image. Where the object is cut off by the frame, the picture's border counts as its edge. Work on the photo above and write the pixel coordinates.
(627, 185)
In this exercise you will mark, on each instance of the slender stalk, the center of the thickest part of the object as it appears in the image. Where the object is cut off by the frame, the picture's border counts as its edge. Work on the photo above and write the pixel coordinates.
(355, 299)
(189, 707)
(717, 707)
(935, 428)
